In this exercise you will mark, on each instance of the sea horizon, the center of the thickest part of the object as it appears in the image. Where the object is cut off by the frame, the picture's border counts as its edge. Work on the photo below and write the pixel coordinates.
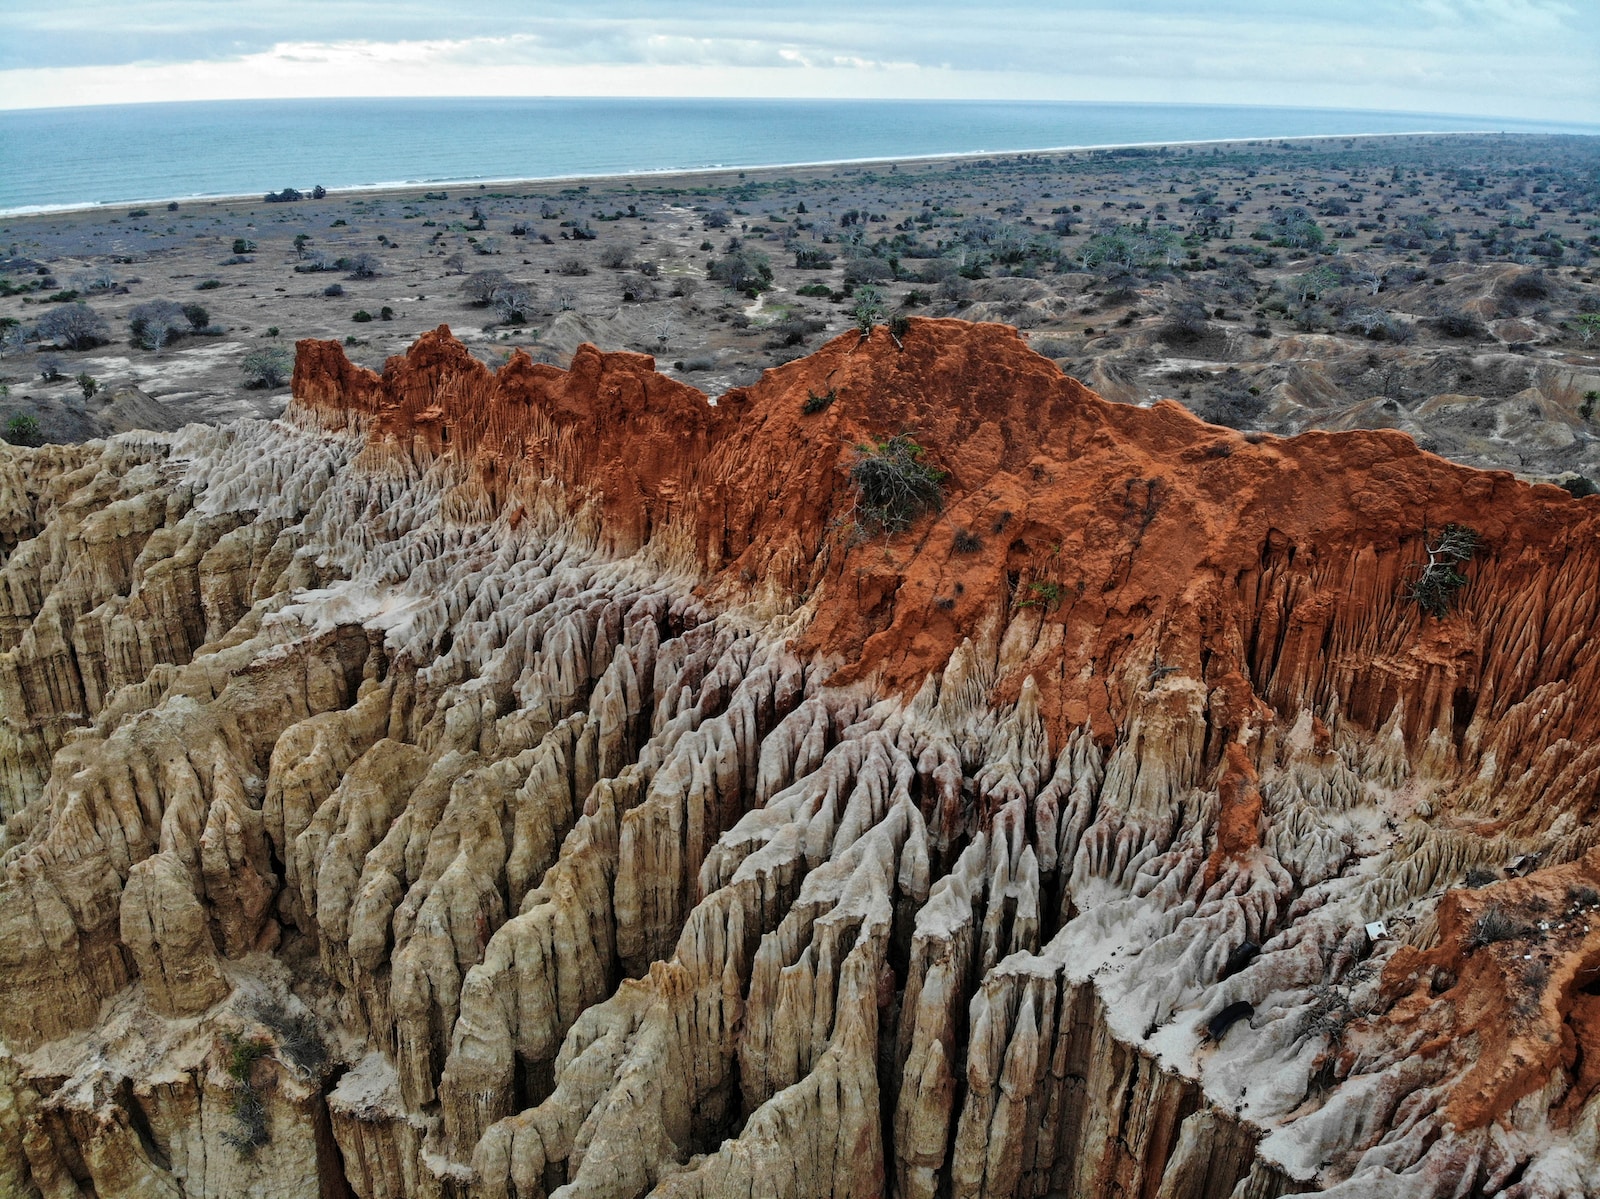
(52, 158)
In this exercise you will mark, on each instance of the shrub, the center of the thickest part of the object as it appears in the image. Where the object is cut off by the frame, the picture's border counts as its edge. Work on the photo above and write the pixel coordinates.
(333, 289)
(1586, 409)
(868, 308)
(1436, 588)
(23, 429)
(1491, 927)
(386, 313)
(243, 245)
(208, 285)
(965, 542)
(818, 401)
(155, 323)
(73, 326)
(571, 267)
(362, 316)
(818, 290)
(1461, 324)
(1185, 325)
(268, 367)
(811, 258)
(298, 1037)
(287, 195)
(894, 485)
(363, 266)
(87, 384)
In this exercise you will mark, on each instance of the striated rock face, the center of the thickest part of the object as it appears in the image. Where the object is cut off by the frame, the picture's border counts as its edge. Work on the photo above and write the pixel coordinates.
(534, 782)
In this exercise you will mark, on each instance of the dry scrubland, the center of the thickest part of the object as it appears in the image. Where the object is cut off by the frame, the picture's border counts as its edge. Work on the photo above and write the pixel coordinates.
(1443, 285)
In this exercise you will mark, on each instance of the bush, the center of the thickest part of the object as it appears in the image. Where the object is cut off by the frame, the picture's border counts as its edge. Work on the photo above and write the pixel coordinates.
(73, 326)
(894, 485)
(268, 367)
(287, 195)
(243, 245)
(156, 323)
(333, 289)
(1492, 927)
(362, 316)
(818, 401)
(480, 286)
(1461, 324)
(87, 384)
(208, 285)
(363, 266)
(1185, 325)
(23, 430)
(817, 290)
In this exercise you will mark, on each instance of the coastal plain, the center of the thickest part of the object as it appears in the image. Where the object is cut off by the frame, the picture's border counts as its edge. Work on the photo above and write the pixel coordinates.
(1443, 285)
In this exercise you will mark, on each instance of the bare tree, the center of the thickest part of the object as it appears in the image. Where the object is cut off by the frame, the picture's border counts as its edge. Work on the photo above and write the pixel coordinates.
(74, 326)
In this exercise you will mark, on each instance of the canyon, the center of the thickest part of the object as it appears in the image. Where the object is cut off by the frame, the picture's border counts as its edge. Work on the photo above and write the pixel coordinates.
(552, 782)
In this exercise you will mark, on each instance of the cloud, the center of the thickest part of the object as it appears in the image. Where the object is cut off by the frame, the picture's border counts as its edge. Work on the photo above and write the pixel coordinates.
(1531, 58)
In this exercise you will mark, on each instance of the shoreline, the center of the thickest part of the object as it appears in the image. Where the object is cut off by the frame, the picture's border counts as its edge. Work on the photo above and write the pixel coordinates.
(405, 187)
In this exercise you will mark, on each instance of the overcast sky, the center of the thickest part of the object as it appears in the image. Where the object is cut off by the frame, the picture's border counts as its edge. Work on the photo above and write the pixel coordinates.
(1511, 58)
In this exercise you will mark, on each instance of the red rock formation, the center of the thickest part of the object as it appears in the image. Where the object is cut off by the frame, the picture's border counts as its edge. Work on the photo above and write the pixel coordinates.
(1280, 559)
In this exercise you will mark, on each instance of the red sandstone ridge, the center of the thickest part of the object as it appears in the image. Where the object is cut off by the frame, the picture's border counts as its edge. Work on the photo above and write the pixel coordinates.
(1104, 526)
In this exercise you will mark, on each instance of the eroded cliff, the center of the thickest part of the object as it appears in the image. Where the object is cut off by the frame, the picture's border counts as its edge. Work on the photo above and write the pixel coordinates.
(534, 781)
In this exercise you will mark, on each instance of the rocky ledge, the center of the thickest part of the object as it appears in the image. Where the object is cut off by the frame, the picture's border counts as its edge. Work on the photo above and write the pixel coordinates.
(531, 782)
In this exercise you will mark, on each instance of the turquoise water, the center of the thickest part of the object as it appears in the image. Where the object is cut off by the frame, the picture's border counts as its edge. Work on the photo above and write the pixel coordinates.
(127, 153)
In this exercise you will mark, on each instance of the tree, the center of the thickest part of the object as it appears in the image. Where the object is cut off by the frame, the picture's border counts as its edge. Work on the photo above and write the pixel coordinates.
(88, 384)
(156, 323)
(1296, 227)
(364, 266)
(74, 326)
(480, 286)
(742, 270)
(300, 241)
(1435, 589)
(513, 302)
(268, 367)
(319, 192)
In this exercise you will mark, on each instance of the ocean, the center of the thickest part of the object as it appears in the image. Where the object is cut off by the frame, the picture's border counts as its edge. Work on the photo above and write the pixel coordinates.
(122, 154)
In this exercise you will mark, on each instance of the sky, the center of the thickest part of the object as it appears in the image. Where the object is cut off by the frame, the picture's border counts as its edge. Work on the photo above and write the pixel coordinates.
(1533, 59)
